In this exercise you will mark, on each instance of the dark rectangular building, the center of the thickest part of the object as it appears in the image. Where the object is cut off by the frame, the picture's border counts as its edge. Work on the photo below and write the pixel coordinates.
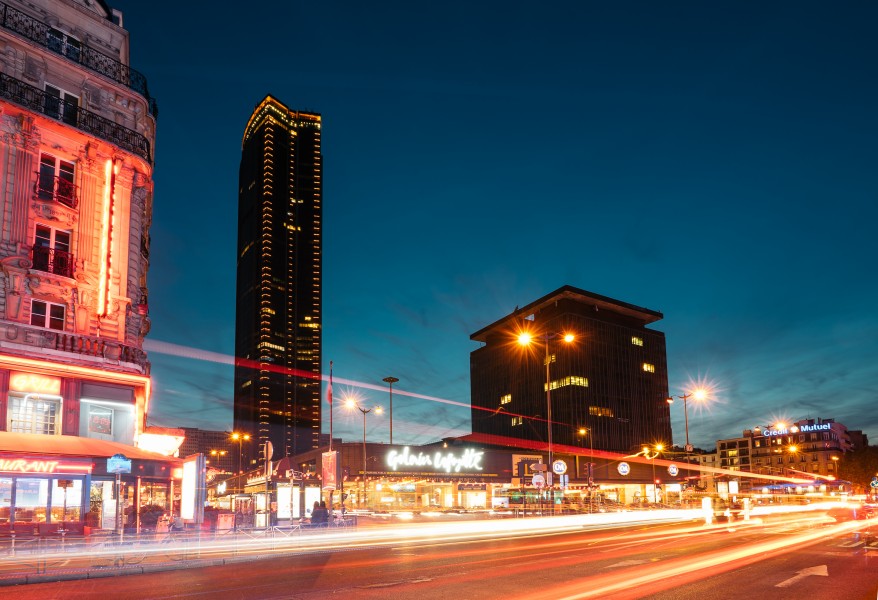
(609, 382)
(278, 320)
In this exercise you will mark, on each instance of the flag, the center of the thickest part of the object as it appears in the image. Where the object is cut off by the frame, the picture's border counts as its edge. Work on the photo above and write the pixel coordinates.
(329, 389)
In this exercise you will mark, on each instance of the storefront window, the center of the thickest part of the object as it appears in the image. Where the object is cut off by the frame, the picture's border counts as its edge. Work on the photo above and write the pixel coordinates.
(69, 497)
(34, 413)
(5, 498)
(31, 499)
(107, 413)
(107, 421)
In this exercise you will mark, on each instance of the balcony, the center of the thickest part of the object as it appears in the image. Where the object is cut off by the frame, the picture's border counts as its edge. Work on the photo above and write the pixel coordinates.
(56, 188)
(50, 260)
(37, 100)
(75, 51)
(87, 349)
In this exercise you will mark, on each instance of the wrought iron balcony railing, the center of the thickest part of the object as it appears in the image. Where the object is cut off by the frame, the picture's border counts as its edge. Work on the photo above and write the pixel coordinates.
(68, 112)
(56, 188)
(39, 33)
(54, 261)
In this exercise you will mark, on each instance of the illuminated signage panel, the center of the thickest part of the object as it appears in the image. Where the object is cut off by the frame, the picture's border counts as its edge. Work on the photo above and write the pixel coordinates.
(797, 429)
(33, 383)
(448, 462)
(23, 465)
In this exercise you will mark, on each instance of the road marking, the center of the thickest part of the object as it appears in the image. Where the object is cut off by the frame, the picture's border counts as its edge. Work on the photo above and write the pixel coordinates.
(851, 544)
(819, 570)
(627, 563)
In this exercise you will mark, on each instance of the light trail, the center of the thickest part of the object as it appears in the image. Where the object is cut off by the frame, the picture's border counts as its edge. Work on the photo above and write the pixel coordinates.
(718, 561)
(417, 534)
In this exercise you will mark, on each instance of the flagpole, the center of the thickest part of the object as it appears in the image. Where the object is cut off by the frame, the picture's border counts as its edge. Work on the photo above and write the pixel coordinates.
(330, 406)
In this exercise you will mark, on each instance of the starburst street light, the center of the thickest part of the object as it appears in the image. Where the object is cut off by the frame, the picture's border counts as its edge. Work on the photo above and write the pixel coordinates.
(350, 403)
(699, 394)
(651, 454)
(526, 339)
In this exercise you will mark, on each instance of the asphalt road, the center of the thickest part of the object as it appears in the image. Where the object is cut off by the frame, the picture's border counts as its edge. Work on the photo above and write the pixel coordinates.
(779, 558)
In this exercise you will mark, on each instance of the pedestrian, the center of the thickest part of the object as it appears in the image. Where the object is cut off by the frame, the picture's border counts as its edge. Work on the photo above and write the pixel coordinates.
(320, 515)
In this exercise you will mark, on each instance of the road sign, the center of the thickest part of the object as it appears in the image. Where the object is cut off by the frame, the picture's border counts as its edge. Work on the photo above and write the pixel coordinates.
(689, 448)
(536, 467)
(538, 481)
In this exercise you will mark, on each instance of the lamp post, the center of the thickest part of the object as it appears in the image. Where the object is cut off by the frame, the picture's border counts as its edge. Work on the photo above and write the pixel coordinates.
(698, 394)
(657, 449)
(218, 454)
(353, 404)
(240, 438)
(583, 431)
(390, 381)
(525, 339)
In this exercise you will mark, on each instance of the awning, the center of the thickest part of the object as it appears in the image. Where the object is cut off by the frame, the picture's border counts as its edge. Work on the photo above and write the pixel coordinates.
(69, 445)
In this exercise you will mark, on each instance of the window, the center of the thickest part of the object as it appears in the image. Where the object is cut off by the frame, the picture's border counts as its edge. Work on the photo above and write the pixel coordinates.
(64, 44)
(649, 368)
(505, 398)
(600, 411)
(637, 341)
(516, 421)
(45, 314)
(52, 251)
(565, 381)
(34, 413)
(55, 180)
(61, 105)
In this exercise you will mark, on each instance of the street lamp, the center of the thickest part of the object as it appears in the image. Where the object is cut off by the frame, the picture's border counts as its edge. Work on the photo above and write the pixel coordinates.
(350, 403)
(583, 431)
(240, 438)
(390, 381)
(656, 450)
(697, 394)
(218, 454)
(525, 339)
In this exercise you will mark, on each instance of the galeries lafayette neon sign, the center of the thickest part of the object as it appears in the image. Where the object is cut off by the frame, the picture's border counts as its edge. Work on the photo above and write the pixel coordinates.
(470, 460)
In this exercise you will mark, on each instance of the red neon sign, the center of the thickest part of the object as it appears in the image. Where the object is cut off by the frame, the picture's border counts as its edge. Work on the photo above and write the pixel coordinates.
(23, 465)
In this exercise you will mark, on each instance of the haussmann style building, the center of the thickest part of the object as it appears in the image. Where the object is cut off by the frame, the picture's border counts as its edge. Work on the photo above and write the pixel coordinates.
(77, 132)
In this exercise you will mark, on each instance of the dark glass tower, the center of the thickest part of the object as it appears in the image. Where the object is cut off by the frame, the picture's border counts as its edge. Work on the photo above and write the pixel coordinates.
(278, 321)
(611, 379)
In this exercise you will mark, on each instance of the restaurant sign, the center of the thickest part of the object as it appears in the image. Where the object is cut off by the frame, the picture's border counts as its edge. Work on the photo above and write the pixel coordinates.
(24, 465)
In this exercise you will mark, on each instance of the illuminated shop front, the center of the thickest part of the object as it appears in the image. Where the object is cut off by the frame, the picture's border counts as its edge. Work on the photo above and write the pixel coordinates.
(408, 478)
(53, 482)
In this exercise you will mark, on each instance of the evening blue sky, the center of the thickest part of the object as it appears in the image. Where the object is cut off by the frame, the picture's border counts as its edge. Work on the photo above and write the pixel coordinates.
(712, 161)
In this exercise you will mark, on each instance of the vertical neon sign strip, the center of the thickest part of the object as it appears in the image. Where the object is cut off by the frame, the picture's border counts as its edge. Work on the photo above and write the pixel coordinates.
(106, 238)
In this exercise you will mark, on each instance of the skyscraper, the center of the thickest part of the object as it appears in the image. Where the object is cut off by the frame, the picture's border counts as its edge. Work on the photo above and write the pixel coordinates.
(278, 321)
(610, 381)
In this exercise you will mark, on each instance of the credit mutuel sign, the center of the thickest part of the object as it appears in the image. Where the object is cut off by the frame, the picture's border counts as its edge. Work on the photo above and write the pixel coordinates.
(797, 429)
